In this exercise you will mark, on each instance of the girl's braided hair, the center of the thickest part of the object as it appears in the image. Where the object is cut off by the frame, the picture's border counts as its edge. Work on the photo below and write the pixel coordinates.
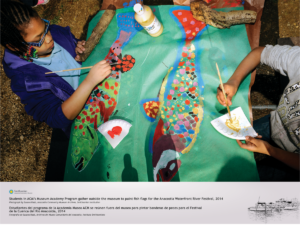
(15, 16)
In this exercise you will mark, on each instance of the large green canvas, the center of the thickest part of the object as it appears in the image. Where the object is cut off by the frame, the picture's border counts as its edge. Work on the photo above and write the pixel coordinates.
(213, 157)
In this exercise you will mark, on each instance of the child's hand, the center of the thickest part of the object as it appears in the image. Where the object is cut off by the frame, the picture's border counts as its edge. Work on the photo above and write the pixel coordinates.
(79, 49)
(98, 72)
(230, 88)
(255, 145)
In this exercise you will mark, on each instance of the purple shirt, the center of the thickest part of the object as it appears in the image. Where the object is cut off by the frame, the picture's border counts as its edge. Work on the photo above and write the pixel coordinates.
(42, 94)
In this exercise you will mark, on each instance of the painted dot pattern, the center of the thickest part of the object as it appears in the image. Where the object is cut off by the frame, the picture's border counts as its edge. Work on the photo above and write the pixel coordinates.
(181, 106)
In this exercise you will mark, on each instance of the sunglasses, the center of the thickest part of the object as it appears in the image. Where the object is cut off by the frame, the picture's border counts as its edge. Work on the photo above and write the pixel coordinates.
(39, 44)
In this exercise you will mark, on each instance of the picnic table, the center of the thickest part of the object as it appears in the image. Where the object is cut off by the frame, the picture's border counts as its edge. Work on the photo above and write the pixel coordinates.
(210, 156)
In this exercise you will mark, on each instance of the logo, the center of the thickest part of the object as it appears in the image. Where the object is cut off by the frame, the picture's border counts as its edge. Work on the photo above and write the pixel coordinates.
(11, 191)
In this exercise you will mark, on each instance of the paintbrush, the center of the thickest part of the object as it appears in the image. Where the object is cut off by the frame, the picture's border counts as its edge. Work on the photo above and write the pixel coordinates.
(81, 68)
(223, 92)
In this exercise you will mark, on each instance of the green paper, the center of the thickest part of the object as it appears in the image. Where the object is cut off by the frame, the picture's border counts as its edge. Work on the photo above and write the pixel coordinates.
(213, 157)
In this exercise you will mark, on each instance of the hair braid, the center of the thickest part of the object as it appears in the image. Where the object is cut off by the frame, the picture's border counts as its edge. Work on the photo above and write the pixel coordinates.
(15, 16)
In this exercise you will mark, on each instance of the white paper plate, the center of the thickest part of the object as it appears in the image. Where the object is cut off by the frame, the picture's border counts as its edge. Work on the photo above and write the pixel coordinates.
(114, 131)
(246, 128)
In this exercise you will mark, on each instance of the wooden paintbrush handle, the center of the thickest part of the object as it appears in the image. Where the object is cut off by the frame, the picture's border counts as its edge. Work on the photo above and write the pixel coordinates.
(223, 90)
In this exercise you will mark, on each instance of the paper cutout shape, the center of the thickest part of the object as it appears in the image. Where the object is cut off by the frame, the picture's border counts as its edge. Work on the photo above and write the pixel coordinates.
(244, 129)
(114, 131)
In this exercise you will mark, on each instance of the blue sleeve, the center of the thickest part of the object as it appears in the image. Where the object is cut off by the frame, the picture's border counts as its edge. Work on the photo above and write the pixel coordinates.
(43, 105)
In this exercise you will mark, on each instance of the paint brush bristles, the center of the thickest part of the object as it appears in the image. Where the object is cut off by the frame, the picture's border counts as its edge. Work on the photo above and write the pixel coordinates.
(223, 91)
(81, 68)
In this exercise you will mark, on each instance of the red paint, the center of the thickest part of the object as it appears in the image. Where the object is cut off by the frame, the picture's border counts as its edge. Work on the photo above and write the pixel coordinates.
(95, 122)
(80, 127)
(116, 84)
(158, 131)
(184, 54)
(169, 97)
(78, 117)
(109, 102)
(84, 113)
(83, 120)
(117, 130)
(181, 63)
(83, 133)
(106, 85)
(98, 95)
(88, 118)
(191, 30)
(75, 127)
(187, 102)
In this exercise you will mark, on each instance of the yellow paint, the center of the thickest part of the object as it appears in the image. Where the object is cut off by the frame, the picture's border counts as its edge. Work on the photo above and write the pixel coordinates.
(233, 124)
(195, 111)
(171, 120)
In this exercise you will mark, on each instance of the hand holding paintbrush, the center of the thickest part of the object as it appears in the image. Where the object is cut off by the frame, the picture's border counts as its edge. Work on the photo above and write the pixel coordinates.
(223, 91)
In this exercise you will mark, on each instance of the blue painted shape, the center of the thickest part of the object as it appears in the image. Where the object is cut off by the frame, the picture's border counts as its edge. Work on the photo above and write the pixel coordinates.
(189, 139)
(126, 22)
(184, 95)
(191, 131)
(131, 3)
(186, 107)
(225, 71)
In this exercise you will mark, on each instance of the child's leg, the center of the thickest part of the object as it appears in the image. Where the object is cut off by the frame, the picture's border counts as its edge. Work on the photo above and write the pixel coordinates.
(262, 127)
(270, 169)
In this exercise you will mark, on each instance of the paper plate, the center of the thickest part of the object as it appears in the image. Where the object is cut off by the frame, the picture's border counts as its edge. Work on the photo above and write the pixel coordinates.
(246, 128)
(114, 131)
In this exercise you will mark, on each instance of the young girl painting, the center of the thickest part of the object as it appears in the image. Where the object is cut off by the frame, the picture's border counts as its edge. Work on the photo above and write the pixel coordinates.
(34, 47)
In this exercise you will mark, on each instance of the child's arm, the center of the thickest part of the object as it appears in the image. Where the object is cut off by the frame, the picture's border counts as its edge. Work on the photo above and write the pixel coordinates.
(73, 105)
(256, 145)
(248, 64)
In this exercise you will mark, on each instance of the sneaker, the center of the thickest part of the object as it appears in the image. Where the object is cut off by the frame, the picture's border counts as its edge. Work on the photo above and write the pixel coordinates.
(42, 2)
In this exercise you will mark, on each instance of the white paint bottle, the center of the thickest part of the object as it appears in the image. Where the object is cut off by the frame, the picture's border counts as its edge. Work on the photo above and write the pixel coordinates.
(147, 19)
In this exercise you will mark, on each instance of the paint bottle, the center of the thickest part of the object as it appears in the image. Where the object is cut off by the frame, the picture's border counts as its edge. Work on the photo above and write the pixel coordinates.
(147, 19)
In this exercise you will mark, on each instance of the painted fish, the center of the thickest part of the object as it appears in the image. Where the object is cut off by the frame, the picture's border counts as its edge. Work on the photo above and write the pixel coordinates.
(178, 111)
(104, 98)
